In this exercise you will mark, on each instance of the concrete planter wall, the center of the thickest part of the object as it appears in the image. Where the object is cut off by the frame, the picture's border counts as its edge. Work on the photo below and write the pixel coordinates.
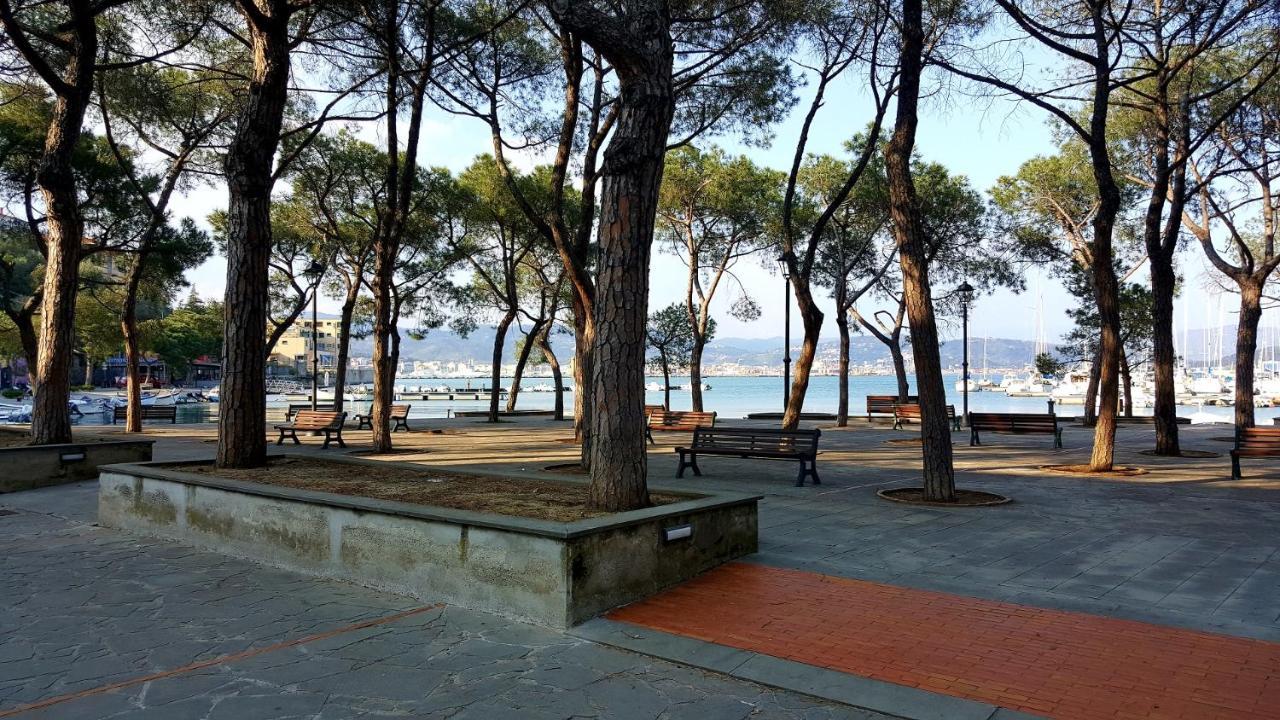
(551, 573)
(27, 468)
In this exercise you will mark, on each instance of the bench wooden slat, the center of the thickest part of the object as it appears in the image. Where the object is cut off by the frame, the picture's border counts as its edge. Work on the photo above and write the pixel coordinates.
(913, 411)
(326, 421)
(1254, 442)
(149, 412)
(1015, 424)
(765, 443)
(676, 421)
(883, 404)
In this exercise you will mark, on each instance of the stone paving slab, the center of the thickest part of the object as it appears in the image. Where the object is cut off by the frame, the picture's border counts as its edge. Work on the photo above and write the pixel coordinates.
(85, 608)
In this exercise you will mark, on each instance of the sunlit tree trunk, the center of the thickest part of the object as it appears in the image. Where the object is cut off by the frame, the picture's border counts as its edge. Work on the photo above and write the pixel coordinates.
(842, 322)
(811, 318)
(249, 162)
(1247, 351)
(521, 361)
(556, 375)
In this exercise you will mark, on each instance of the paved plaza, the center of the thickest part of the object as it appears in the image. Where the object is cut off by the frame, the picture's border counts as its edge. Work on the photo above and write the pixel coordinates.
(97, 623)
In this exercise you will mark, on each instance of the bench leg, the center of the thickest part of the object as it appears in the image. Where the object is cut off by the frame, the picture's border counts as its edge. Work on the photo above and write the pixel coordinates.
(648, 435)
(955, 423)
(808, 468)
(341, 444)
(293, 435)
(897, 423)
(1057, 438)
(1235, 467)
(683, 464)
(973, 437)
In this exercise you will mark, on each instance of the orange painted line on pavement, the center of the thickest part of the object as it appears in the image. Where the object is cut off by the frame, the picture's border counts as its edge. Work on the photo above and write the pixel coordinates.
(217, 661)
(1047, 662)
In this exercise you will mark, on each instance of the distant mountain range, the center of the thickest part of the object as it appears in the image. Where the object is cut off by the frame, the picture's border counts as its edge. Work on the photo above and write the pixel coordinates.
(446, 346)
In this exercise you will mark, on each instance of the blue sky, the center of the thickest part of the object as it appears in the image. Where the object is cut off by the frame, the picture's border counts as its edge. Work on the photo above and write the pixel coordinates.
(980, 139)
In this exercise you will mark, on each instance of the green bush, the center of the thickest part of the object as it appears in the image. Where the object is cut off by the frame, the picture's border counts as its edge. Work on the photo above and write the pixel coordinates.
(12, 393)
(83, 388)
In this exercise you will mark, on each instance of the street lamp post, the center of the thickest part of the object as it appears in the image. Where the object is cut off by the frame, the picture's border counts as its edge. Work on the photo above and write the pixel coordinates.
(966, 296)
(786, 332)
(314, 272)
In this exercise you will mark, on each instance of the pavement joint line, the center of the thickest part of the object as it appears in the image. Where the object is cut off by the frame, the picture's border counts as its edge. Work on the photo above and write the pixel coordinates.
(234, 657)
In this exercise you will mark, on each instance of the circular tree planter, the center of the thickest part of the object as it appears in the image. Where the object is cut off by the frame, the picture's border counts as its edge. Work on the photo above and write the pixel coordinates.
(1185, 454)
(1115, 471)
(964, 498)
(392, 451)
(905, 441)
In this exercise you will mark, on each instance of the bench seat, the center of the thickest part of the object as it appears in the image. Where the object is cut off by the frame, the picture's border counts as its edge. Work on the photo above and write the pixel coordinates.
(1014, 424)
(763, 443)
(676, 421)
(321, 421)
(912, 411)
(884, 404)
(149, 412)
(1254, 442)
(399, 416)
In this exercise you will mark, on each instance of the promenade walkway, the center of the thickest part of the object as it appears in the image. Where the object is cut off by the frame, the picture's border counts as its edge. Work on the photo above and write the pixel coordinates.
(1047, 606)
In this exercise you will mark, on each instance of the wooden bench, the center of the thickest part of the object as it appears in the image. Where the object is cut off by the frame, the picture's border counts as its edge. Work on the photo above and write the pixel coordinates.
(399, 416)
(295, 407)
(319, 421)
(649, 409)
(765, 443)
(677, 420)
(884, 404)
(1016, 424)
(911, 411)
(149, 412)
(1254, 442)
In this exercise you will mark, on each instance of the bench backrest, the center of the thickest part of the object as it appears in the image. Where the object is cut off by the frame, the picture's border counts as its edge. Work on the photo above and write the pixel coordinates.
(691, 418)
(650, 409)
(121, 412)
(1013, 422)
(912, 410)
(318, 420)
(400, 410)
(752, 440)
(1258, 439)
(885, 403)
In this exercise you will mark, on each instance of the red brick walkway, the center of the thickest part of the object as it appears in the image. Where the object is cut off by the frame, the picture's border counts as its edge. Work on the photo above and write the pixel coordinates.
(1047, 662)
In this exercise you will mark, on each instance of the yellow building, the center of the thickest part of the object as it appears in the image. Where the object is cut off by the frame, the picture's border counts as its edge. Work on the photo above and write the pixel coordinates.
(294, 347)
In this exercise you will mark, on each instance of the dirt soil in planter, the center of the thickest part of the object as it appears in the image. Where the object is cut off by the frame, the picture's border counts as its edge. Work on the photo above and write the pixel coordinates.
(964, 498)
(905, 441)
(21, 439)
(1115, 471)
(537, 499)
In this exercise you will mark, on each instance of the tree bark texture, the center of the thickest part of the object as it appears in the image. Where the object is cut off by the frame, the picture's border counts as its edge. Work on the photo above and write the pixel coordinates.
(842, 410)
(557, 376)
(1247, 351)
(64, 234)
(344, 343)
(811, 318)
(1164, 355)
(132, 353)
(249, 164)
(935, 430)
(632, 170)
(521, 361)
(1091, 391)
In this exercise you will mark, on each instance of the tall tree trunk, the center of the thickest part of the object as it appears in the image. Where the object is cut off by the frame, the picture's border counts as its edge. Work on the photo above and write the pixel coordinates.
(629, 202)
(842, 410)
(383, 361)
(935, 431)
(344, 345)
(495, 370)
(666, 382)
(900, 369)
(1090, 418)
(557, 377)
(64, 233)
(1247, 350)
(695, 372)
(811, 317)
(521, 360)
(1164, 356)
(583, 340)
(132, 353)
(242, 409)
(1127, 383)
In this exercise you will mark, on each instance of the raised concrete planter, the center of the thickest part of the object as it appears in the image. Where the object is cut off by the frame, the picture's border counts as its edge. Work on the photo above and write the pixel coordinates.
(551, 573)
(27, 468)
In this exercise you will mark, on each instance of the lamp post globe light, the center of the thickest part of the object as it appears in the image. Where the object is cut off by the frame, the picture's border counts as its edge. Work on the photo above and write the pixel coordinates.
(786, 331)
(314, 272)
(965, 291)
